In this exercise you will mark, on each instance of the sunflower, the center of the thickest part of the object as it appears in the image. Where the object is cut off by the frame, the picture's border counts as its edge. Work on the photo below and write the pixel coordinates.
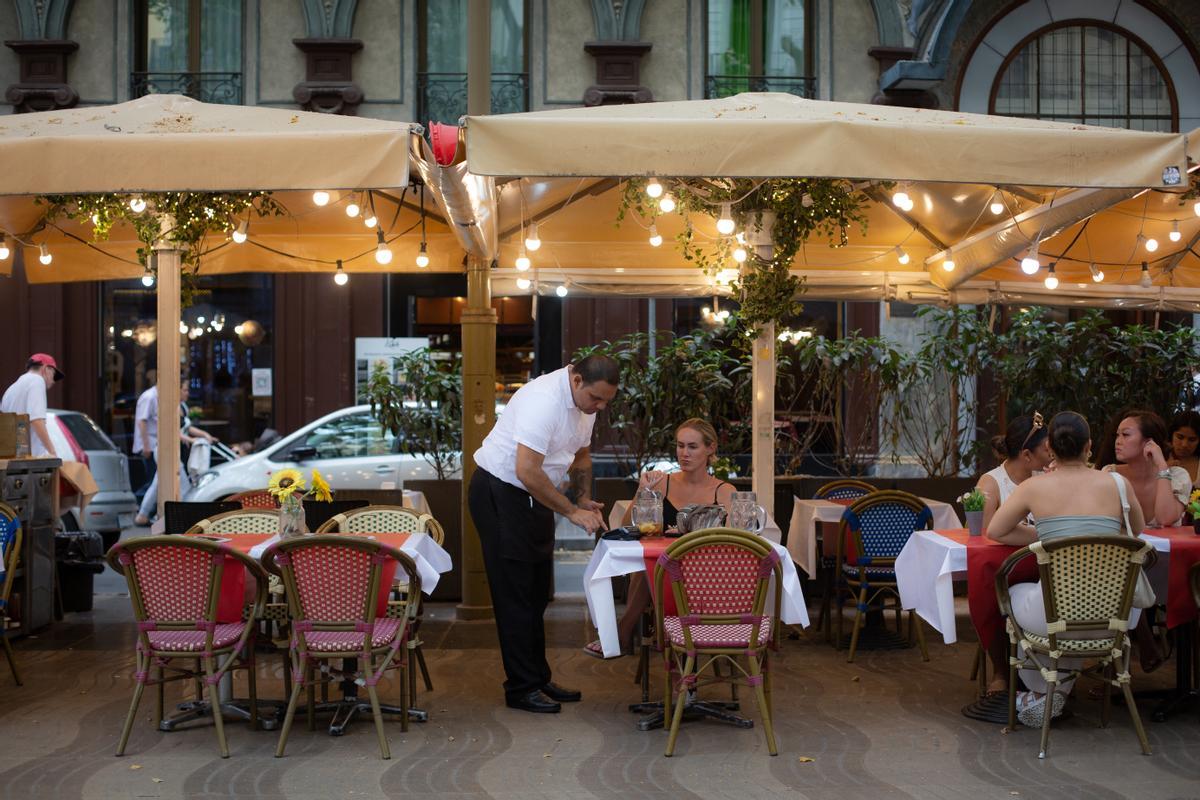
(320, 488)
(285, 482)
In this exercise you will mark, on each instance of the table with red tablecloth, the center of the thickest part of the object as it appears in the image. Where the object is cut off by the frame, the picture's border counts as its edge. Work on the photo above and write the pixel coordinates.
(614, 557)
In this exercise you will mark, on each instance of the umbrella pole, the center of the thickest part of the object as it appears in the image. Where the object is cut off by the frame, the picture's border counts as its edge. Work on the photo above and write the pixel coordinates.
(763, 413)
(168, 260)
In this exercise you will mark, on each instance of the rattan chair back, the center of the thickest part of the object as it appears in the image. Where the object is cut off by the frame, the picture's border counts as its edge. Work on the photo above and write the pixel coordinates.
(879, 525)
(248, 520)
(844, 489)
(10, 557)
(378, 519)
(254, 498)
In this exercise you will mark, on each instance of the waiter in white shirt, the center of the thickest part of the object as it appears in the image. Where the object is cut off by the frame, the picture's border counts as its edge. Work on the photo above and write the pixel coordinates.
(541, 438)
(27, 395)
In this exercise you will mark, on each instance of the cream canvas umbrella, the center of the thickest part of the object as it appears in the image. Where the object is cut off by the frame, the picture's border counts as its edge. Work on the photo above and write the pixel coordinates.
(167, 143)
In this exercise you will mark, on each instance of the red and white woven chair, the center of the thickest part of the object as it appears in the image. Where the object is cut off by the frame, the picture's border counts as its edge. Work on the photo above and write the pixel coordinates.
(175, 587)
(337, 589)
(720, 579)
(255, 498)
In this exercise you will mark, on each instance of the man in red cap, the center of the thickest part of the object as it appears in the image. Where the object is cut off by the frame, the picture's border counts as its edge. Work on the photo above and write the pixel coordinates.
(27, 395)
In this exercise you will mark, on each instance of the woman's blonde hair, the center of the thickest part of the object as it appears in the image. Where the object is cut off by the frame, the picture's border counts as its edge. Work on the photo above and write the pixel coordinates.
(703, 427)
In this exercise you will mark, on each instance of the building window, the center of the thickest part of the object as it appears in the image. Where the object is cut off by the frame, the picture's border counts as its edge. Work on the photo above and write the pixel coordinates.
(1093, 74)
(759, 46)
(442, 77)
(189, 47)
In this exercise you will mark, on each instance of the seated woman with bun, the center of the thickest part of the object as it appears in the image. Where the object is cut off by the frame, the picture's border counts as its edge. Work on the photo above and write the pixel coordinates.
(1074, 499)
(1025, 449)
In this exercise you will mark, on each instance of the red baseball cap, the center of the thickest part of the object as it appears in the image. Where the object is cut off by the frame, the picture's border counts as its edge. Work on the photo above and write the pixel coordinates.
(41, 359)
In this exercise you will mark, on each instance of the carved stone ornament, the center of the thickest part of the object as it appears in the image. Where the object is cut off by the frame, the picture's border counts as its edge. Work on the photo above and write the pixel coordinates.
(43, 78)
(327, 86)
(618, 68)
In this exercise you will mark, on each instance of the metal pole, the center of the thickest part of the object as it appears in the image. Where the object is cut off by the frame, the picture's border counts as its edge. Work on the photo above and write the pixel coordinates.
(167, 288)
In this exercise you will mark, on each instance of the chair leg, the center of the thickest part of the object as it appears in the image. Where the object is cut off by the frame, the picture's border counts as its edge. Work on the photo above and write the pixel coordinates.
(1046, 715)
(667, 687)
(12, 659)
(214, 698)
(1012, 685)
(252, 680)
(157, 676)
(858, 623)
(287, 719)
(1127, 690)
(138, 687)
(407, 680)
(915, 622)
(425, 669)
(309, 675)
(979, 655)
(837, 609)
(764, 707)
(1106, 702)
(680, 701)
(409, 668)
(384, 751)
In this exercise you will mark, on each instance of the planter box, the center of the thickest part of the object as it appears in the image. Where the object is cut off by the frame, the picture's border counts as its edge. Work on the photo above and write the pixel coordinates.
(445, 503)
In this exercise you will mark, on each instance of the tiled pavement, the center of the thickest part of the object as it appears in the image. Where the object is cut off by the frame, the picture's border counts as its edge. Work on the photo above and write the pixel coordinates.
(887, 726)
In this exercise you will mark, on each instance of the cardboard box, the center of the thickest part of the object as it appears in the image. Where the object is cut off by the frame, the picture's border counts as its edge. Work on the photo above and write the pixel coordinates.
(76, 485)
(14, 435)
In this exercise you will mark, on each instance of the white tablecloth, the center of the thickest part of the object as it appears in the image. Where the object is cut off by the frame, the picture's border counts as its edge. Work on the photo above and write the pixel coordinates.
(930, 563)
(416, 501)
(802, 533)
(612, 558)
(428, 556)
(771, 531)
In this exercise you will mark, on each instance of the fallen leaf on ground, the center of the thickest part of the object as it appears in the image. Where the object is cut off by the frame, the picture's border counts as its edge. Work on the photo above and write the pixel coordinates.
(135, 766)
(157, 780)
(805, 760)
(856, 678)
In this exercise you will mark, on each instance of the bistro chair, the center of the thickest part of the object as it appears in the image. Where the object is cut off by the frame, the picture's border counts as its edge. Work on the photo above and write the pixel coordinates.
(876, 528)
(246, 520)
(335, 586)
(720, 579)
(10, 555)
(844, 489)
(255, 498)
(181, 516)
(318, 512)
(1087, 584)
(175, 587)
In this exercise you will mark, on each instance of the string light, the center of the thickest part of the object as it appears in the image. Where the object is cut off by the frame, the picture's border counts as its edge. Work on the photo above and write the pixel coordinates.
(532, 240)
(352, 209)
(1146, 281)
(44, 256)
(239, 236)
(1030, 264)
(666, 204)
(901, 256)
(136, 204)
(561, 291)
(423, 254)
(902, 201)
(1175, 235)
(740, 255)
(522, 263)
(655, 189)
(147, 277)
(1051, 281)
(655, 239)
(370, 220)
(383, 254)
(948, 264)
(183, 327)
(4, 251)
(1097, 273)
(523, 283)
(725, 221)
(340, 277)
(1196, 208)
(1150, 243)
(997, 204)
(422, 257)
(320, 198)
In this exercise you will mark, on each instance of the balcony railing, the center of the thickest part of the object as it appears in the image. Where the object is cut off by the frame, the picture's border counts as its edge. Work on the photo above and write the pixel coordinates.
(442, 96)
(727, 85)
(208, 87)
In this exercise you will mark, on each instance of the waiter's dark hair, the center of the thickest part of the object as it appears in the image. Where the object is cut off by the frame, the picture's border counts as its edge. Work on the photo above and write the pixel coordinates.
(597, 367)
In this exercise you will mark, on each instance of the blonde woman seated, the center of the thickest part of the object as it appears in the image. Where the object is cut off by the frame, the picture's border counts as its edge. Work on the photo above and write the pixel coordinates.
(1072, 500)
(695, 450)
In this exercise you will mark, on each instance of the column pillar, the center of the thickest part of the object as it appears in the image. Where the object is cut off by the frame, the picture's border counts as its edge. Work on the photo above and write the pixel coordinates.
(167, 290)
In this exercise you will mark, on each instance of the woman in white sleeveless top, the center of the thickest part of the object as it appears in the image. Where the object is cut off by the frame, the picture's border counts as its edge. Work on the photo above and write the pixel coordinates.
(1025, 448)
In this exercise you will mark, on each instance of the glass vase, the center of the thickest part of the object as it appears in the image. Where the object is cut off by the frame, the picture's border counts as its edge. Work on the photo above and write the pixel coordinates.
(291, 518)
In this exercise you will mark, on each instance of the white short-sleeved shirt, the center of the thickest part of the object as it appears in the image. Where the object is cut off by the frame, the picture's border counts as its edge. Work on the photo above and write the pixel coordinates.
(147, 409)
(542, 415)
(27, 395)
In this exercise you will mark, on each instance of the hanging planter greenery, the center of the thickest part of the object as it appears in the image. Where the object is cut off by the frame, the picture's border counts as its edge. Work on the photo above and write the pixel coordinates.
(195, 215)
(784, 211)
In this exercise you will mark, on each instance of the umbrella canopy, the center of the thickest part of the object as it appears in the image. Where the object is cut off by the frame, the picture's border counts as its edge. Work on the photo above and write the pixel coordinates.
(780, 135)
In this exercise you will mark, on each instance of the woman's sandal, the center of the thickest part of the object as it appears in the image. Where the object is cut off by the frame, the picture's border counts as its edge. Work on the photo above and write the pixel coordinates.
(596, 650)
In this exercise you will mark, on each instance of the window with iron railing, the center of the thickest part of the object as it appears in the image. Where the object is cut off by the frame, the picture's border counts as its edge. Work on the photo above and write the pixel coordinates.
(189, 47)
(759, 46)
(442, 78)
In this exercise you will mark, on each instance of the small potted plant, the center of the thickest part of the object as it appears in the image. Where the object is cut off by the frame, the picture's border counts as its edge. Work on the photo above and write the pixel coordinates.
(289, 488)
(972, 503)
(1193, 508)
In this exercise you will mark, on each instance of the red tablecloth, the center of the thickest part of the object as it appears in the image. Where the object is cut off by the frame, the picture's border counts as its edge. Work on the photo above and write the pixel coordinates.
(1185, 551)
(652, 548)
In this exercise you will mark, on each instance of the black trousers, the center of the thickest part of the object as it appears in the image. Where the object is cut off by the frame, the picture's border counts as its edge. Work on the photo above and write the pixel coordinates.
(517, 536)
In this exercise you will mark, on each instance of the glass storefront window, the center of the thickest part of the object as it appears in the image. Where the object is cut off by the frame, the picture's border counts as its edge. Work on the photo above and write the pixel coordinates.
(229, 335)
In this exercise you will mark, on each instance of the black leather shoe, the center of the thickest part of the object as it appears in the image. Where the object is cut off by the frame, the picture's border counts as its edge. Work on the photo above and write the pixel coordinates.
(556, 692)
(535, 701)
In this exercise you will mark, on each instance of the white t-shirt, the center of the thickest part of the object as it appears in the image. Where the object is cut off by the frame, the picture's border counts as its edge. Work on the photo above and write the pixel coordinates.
(147, 409)
(27, 395)
(542, 415)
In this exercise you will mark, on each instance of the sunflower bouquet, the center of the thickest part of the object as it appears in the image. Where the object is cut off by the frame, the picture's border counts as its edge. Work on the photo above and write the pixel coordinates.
(1193, 506)
(289, 487)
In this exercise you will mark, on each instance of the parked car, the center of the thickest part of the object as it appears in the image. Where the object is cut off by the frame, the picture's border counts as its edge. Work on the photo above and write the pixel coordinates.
(348, 446)
(77, 438)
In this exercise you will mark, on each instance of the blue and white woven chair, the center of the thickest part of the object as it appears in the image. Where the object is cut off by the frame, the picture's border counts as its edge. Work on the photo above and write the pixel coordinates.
(844, 489)
(876, 528)
(10, 553)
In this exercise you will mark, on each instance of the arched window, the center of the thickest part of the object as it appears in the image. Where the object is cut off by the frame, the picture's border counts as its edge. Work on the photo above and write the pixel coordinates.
(1086, 72)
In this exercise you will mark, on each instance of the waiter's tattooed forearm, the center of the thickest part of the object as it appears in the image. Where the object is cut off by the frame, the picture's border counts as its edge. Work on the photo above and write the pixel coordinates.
(581, 482)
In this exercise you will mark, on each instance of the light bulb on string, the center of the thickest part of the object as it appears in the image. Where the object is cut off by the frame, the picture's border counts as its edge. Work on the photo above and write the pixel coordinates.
(423, 257)
(352, 209)
(725, 221)
(136, 204)
(524, 283)
(4, 251)
(654, 188)
(1051, 281)
(901, 200)
(561, 291)
(1146, 281)
(340, 277)
(532, 240)
(44, 254)
(370, 220)
(1097, 273)
(740, 255)
(147, 277)
(655, 238)
(1196, 208)
(183, 327)
(666, 204)
(240, 235)
(948, 264)
(1030, 264)
(997, 204)
(383, 254)
(901, 256)
(320, 198)
(522, 263)
(1150, 243)
(1175, 235)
